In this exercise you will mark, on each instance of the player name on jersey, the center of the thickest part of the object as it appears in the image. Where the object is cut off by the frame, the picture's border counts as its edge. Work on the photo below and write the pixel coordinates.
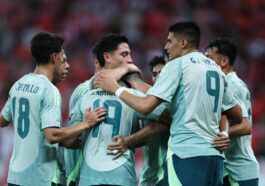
(27, 88)
(204, 61)
(102, 93)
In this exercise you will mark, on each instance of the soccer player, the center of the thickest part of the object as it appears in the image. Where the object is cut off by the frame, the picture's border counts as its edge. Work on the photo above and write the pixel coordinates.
(111, 51)
(99, 168)
(155, 148)
(241, 164)
(196, 88)
(34, 108)
(156, 65)
(153, 135)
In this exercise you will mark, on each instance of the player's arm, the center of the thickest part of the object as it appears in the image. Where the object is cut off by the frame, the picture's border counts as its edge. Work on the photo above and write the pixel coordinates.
(6, 114)
(72, 143)
(141, 104)
(143, 86)
(140, 137)
(233, 114)
(240, 129)
(222, 140)
(58, 135)
(3, 121)
(239, 125)
(120, 71)
(121, 143)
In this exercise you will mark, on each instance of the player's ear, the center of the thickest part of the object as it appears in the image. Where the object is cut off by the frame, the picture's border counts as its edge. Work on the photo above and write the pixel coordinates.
(106, 56)
(53, 57)
(184, 43)
(225, 61)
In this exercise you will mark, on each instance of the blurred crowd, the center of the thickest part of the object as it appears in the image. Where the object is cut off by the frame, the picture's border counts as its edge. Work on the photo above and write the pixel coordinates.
(145, 23)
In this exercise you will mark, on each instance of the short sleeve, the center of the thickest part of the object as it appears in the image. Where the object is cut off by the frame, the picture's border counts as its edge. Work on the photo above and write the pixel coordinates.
(168, 81)
(51, 108)
(229, 100)
(7, 110)
(77, 94)
(76, 114)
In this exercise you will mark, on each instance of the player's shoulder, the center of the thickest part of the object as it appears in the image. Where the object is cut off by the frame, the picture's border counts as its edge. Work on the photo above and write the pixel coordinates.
(81, 89)
(86, 85)
(39, 81)
(236, 82)
(199, 59)
(237, 85)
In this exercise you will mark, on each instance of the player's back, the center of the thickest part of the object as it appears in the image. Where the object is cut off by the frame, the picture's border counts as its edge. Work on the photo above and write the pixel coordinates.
(120, 120)
(194, 85)
(79, 91)
(33, 159)
(98, 166)
(201, 90)
(240, 153)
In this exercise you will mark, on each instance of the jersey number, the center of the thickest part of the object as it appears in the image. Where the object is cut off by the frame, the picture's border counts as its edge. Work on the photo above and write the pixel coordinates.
(23, 122)
(213, 86)
(114, 121)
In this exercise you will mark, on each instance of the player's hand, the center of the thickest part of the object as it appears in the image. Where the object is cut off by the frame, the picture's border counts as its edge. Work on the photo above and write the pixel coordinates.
(105, 81)
(221, 142)
(118, 147)
(94, 116)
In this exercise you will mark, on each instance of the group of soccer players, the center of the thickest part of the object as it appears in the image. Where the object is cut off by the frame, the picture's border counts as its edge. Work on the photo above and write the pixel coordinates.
(194, 122)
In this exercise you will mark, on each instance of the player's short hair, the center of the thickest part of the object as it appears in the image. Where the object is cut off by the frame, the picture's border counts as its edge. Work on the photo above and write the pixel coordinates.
(132, 76)
(155, 61)
(226, 47)
(189, 30)
(44, 44)
(108, 43)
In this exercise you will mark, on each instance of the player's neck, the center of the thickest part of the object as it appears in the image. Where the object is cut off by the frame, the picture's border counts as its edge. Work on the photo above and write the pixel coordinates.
(189, 50)
(44, 70)
(228, 70)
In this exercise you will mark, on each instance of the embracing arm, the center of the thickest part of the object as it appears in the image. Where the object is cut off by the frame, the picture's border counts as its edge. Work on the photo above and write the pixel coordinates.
(120, 71)
(222, 141)
(59, 135)
(121, 143)
(240, 129)
(144, 105)
(239, 126)
(234, 114)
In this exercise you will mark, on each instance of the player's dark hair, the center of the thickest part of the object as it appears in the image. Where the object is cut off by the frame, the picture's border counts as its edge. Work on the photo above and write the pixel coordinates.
(226, 47)
(155, 61)
(44, 44)
(189, 30)
(132, 76)
(108, 43)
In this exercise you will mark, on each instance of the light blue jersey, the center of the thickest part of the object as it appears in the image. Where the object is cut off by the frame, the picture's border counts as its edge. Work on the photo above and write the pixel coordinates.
(98, 167)
(241, 163)
(195, 87)
(73, 157)
(34, 104)
(79, 91)
(155, 151)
